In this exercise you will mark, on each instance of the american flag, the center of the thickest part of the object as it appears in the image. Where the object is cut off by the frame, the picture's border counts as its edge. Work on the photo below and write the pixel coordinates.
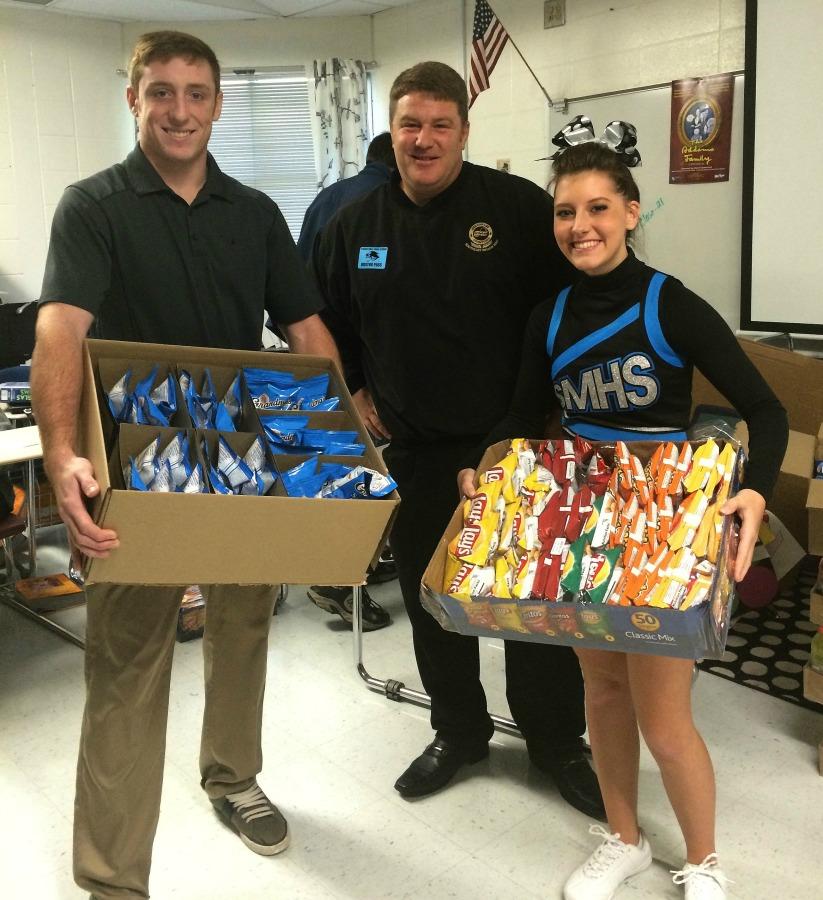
(488, 40)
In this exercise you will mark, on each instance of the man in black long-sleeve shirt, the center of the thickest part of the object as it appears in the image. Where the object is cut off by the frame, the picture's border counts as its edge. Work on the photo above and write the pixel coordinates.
(403, 271)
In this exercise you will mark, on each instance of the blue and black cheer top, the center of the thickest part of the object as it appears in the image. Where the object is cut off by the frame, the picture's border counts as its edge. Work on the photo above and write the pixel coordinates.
(617, 353)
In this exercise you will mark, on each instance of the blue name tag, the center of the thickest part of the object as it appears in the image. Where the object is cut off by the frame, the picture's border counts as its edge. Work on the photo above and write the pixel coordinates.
(372, 257)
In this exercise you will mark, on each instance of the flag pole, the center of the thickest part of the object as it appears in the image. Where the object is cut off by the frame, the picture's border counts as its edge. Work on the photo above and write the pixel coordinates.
(531, 70)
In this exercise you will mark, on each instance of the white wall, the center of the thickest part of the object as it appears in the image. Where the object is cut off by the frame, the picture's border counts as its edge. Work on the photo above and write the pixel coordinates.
(63, 116)
(62, 113)
(273, 42)
(605, 45)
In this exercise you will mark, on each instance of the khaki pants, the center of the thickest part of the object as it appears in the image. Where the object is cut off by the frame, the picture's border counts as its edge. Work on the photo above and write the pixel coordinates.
(130, 639)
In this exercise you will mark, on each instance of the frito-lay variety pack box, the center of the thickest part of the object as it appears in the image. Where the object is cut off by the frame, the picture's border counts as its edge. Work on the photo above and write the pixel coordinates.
(614, 547)
(202, 535)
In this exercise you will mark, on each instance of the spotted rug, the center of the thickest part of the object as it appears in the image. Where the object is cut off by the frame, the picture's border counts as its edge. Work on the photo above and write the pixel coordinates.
(767, 648)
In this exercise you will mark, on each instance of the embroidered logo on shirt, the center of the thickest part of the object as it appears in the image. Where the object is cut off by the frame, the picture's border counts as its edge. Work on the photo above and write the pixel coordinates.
(372, 257)
(481, 238)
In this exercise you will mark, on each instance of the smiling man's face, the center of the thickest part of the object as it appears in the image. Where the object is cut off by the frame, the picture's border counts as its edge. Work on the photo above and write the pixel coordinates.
(428, 136)
(175, 105)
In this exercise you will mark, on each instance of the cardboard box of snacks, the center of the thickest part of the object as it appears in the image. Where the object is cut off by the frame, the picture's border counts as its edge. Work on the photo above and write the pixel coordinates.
(210, 538)
(576, 619)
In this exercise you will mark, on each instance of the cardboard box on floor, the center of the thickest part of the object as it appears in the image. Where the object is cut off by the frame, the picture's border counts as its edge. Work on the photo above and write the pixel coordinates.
(796, 379)
(216, 539)
(816, 604)
(694, 633)
(812, 684)
(797, 499)
(814, 501)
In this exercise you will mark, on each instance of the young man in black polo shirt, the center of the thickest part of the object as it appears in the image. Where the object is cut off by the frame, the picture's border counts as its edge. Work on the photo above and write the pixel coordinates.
(163, 248)
(429, 282)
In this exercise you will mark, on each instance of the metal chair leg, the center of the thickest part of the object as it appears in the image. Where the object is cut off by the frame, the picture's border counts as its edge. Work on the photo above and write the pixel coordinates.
(391, 687)
(10, 600)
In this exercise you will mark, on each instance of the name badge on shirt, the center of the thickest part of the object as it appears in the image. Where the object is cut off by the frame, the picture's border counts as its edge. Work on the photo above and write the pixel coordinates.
(372, 257)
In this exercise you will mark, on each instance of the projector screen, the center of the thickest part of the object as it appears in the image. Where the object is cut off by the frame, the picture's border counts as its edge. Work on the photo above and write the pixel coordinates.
(782, 249)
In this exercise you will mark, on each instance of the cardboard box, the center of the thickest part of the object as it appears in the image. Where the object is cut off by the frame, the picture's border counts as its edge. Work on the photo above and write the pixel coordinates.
(816, 605)
(796, 500)
(812, 684)
(814, 501)
(791, 492)
(212, 539)
(794, 378)
(796, 381)
(694, 633)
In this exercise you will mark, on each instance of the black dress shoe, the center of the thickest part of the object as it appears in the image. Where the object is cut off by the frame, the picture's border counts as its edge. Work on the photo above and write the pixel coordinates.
(576, 781)
(436, 766)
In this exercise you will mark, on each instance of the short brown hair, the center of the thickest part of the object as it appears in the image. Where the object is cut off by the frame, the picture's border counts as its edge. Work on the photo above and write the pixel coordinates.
(166, 45)
(435, 78)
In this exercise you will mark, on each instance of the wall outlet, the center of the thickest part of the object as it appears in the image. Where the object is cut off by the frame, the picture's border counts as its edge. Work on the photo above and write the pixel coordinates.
(554, 13)
(504, 165)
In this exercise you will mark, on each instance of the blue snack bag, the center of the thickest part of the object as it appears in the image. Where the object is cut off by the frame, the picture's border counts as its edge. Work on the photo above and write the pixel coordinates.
(266, 397)
(298, 475)
(330, 404)
(264, 474)
(195, 483)
(119, 399)
(311, 391)
(135, 481)
(335, 449)
(235, 471)
(228, 409)
(284, 431)
(320, 439)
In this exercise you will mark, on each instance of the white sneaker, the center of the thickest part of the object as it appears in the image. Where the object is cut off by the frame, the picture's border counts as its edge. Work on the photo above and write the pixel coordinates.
(608, 867)
(703, 882)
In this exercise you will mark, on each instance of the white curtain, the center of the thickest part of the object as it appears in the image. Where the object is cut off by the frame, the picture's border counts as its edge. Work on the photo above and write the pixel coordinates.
(342, 111)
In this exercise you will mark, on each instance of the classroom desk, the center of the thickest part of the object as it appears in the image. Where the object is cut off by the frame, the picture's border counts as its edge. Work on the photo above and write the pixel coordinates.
(18, 445)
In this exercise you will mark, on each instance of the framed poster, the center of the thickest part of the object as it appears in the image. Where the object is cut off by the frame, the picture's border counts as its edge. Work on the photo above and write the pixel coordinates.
(701, 128)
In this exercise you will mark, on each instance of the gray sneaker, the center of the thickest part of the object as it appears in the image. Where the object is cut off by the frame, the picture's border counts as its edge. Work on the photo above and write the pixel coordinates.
(258, 822)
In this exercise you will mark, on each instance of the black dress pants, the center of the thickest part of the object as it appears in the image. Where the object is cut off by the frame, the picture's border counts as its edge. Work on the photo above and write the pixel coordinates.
(544, 685)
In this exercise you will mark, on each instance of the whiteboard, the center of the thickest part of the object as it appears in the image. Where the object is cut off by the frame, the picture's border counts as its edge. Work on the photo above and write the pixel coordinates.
(782, 252)
(691, 231)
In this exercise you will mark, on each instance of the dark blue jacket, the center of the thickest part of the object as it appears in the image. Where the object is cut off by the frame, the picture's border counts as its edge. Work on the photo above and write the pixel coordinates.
(334, 198)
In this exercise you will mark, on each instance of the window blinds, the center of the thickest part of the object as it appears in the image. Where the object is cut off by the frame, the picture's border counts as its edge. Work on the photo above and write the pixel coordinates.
(264, 138)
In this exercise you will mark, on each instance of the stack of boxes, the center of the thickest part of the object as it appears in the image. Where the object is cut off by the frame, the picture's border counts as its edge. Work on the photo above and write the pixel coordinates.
(812, 680)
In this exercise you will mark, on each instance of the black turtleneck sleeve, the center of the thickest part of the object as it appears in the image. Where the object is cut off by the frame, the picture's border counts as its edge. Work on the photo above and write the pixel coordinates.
(699, 334)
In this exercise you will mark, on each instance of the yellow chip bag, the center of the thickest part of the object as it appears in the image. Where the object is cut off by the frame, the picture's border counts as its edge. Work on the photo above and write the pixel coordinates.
(504, 472)
(503, 579)
(483, 504)
(507, 615)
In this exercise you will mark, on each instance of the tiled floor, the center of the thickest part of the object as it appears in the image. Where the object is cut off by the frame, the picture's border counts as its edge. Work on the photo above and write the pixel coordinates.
(332, 752)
